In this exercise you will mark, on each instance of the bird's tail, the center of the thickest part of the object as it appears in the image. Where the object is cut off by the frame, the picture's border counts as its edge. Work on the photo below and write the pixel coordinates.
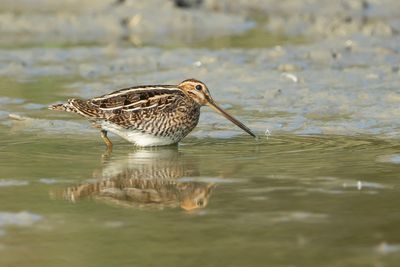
(81, 107)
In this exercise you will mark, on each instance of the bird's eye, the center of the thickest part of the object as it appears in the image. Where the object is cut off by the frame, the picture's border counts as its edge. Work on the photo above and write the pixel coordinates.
(199, 87)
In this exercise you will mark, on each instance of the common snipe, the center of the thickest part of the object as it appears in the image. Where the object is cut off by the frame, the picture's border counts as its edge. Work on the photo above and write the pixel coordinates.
(150, 115)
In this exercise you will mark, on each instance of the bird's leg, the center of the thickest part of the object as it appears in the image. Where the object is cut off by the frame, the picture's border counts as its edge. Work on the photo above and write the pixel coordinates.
(106, 140)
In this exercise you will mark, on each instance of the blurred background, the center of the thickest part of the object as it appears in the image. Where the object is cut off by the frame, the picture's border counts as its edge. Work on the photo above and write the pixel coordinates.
(317, 80)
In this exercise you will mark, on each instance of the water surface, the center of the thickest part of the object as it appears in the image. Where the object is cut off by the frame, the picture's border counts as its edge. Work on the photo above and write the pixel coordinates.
(320, 189)
(283, 200)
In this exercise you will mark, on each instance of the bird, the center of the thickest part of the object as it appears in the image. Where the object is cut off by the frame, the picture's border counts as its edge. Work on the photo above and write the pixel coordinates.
(148, 115)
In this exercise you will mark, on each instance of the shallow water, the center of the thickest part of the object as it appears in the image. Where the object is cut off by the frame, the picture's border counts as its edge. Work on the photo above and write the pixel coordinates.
(220, 197)
(282, 200)
(318, 188)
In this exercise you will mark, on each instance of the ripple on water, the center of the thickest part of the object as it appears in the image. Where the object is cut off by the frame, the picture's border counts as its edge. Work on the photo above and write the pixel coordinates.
(298, 216)
(23, 218)
(50, 181)
(281, 217)
(385, 248)
(214, 180)
(34, 106)
(20, 123)
(8, 100)
(324, 185)
(292, 144)
(216, 133)
(395, 158)
(3, 115)
(11, 182)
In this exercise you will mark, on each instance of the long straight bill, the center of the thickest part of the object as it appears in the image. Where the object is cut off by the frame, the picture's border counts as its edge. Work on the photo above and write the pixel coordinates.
(229, 117)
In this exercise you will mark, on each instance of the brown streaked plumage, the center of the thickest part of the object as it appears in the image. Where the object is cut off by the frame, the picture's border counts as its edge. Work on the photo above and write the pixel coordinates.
(149, 115)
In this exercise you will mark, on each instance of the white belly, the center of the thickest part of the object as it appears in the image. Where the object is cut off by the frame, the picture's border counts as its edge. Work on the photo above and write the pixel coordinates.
(136, 137)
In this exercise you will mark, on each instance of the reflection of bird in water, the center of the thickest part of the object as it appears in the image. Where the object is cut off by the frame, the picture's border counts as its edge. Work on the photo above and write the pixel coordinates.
(146, 178)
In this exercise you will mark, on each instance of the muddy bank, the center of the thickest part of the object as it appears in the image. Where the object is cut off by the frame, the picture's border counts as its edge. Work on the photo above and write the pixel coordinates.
(337, 86)
(340, 81)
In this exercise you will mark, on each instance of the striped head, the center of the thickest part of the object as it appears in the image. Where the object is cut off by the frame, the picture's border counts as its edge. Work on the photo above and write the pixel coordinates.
(198, 91)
